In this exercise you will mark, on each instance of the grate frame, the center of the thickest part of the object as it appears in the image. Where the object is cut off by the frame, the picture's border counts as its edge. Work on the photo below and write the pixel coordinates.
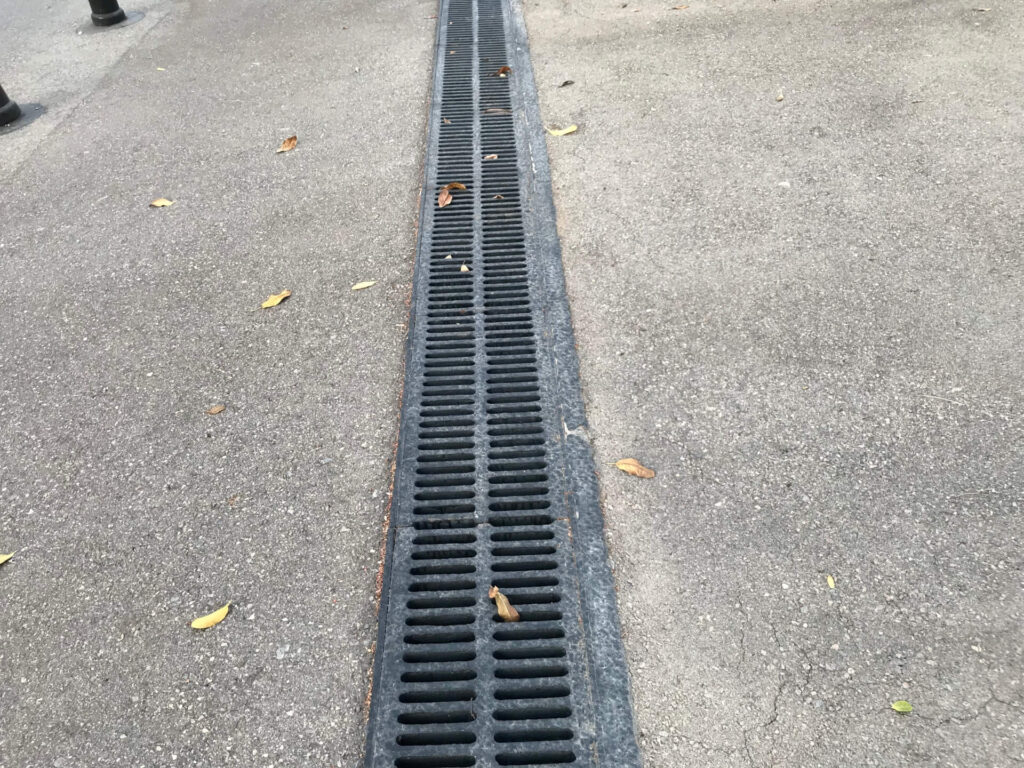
(494, 478)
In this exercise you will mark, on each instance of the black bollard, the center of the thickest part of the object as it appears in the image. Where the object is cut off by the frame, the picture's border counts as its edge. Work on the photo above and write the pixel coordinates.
(9, 111)
(106, 13)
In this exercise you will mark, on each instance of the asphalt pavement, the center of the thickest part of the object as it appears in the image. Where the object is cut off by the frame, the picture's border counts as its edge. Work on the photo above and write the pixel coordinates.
(130, 510)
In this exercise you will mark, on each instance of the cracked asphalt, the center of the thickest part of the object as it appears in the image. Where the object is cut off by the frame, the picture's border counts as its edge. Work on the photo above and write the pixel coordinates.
(792, 239)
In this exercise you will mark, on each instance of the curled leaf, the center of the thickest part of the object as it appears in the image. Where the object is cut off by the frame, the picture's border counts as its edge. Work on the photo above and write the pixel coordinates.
(635, 468)
(288, 144)
(444, 197)
(161, 202)
(505, 609)
(274, 299)
(902, 706)
(562, 131)
(831, 581)
(217, 409)
(211, 619)
(502, 72)
(490, 157)
(5, 558)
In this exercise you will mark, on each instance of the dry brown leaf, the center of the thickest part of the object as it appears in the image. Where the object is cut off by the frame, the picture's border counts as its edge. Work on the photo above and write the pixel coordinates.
(463, 268)
(635, 468)
(498, 197)
(5, 558)
(288, 144)
(363, 285)
(444, 197)
(211, 619)
(562, 131)
(274, 299)
(161, 202)
(502, 72)
(446, 121)
(490, 157)
(497, 111)
(219, 408)
(505, 609)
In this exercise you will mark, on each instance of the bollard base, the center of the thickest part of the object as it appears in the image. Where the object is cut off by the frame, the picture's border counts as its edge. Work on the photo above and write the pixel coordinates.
(109, 19)
(9, 112)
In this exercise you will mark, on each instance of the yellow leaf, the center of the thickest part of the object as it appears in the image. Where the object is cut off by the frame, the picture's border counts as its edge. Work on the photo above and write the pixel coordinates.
(505, 609)
(5, 558)
(902, 706)
(160, 69)
(274, 299)
(361, 286)
(211, 619)
(831, 582)
(161, 202)
(448, 256)
(490, 157)
(463, 268)
(288, 144)
(635, 468)
(562, 131)
(217, 409)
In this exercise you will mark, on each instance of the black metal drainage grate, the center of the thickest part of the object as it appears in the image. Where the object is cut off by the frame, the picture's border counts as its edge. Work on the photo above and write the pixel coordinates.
(494, 482)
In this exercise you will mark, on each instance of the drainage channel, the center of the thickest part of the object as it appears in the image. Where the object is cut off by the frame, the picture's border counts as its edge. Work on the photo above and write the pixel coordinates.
(495, 482)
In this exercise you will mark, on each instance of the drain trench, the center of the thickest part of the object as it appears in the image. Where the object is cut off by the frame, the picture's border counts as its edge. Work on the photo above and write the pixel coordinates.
(494, 482)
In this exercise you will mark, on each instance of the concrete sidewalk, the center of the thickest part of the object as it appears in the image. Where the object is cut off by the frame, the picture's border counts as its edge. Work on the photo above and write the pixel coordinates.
(806, 315)
(132, 511)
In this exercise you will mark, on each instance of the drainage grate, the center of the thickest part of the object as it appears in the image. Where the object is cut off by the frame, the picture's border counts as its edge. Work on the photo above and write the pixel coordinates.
(494, 482)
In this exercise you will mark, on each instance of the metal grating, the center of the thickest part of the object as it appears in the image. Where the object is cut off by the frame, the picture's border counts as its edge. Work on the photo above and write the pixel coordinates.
(494, 479)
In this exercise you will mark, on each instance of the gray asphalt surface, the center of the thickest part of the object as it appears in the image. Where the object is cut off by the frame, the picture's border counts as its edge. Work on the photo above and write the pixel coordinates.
(806, 315)
(130, 509)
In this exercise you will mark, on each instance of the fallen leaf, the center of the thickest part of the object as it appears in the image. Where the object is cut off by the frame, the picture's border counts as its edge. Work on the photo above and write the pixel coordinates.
(902, 706)
(562, 131)
(160, 69)
(502, 72)
(779, 96)
(211, 619)
(446, 121)
(450, 52)
(490, 157)
(274, 299)
(444, 197)
(498, 197)
(361, 286)
(161, 202)
(567, 82)
(635, 468)
(288, 144)
(505, 609)
(217, 409)
(831, 581)
(497, 111)
(463, 268)
(448, 256)
(5, 558)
